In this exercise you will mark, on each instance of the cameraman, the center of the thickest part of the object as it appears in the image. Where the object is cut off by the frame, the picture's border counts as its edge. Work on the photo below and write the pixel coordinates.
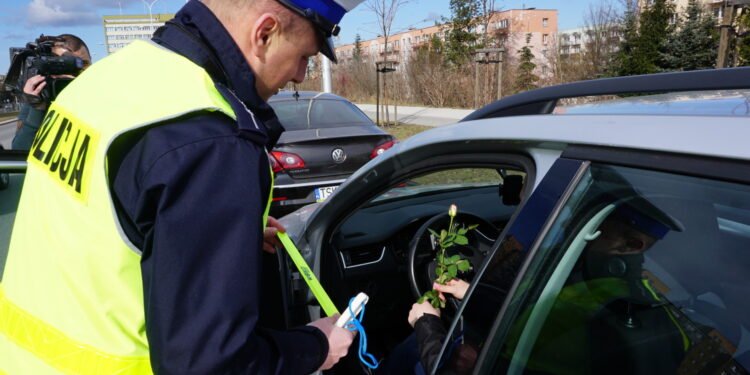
(35, 107)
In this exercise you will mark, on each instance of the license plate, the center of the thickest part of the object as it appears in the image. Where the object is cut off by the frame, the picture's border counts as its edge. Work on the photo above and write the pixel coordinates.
(324, 192)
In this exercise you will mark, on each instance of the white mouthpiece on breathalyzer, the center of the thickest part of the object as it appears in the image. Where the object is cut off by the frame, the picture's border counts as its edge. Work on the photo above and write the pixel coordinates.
(353, 309)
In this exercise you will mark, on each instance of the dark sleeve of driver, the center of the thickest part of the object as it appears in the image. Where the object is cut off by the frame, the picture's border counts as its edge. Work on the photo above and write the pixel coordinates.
(196, 197)
(430, 332)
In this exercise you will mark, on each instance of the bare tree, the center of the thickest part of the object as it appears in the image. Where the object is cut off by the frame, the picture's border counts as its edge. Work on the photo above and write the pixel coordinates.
(487, 10)
(601, 29)
(385, 12)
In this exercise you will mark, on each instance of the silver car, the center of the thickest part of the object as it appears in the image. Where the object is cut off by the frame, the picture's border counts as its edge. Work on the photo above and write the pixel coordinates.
(610, 238)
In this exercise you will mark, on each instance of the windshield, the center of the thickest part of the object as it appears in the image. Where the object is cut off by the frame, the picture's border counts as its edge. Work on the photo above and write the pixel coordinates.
(317, 114)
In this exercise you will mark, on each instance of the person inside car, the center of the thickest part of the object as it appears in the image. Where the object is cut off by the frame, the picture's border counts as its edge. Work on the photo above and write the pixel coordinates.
(605, 302)
(608, 277)
(420, 350)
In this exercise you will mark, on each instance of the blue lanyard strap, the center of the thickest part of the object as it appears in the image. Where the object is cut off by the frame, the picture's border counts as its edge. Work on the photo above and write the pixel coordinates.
(356, 325)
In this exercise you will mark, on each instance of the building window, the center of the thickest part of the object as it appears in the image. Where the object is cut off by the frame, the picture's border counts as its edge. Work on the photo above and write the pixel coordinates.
(544, 38)
(545, 22)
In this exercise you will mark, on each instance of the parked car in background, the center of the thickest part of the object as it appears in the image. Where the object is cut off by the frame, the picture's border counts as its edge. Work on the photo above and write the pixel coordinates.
(327, 138)
(624, 250)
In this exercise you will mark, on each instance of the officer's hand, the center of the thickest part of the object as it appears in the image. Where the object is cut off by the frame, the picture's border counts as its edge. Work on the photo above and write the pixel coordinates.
(339, 340)
(419, 309)
(270, 241)
(32, 88)
(456, 287)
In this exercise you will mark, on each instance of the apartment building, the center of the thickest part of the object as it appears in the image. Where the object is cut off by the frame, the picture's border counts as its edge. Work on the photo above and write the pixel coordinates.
(510, 28)
(577, 40)
(715, 6)
(119, 31)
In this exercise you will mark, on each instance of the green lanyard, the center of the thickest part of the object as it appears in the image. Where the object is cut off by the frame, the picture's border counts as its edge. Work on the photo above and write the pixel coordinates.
(312, 281)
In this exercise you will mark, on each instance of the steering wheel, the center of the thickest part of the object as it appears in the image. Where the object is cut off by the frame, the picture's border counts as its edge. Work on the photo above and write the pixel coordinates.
(423, 249)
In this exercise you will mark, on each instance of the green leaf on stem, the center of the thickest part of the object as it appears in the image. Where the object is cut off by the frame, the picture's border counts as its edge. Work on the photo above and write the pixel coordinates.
(452, 271)
(462, 240)
(463, 265)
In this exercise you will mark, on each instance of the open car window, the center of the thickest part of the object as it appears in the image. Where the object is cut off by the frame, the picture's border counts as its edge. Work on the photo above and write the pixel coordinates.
(642, 272)
(374, 244)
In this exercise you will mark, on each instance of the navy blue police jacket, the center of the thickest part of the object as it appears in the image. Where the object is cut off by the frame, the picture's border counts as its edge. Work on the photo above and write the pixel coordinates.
(191, 193)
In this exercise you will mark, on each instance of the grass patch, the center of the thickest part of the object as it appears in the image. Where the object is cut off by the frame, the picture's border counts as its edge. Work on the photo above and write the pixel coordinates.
(8, 115)
(455, 176)
(403, 131)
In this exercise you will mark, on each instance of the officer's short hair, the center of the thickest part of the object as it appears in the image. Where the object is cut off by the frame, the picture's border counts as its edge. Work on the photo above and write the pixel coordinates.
(235, 8)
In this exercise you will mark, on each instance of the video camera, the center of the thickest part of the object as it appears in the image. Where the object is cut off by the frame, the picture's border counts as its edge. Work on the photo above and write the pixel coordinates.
(38, 59)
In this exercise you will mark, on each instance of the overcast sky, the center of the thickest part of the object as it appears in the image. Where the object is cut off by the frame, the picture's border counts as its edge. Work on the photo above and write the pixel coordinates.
(22, 21)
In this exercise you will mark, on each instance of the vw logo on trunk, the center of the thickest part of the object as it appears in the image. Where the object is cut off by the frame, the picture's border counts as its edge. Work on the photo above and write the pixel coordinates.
(338, 155)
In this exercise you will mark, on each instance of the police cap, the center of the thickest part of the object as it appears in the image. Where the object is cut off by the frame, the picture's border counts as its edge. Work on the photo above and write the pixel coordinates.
(325, 16)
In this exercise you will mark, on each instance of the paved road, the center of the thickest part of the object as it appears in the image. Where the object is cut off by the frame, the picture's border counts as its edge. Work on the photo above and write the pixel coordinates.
(422, 115)
(7, 131)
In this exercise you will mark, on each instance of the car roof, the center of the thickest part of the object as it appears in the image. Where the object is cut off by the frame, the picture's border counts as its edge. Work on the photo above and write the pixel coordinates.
(544, 100)
(305, 95)
(713, 136)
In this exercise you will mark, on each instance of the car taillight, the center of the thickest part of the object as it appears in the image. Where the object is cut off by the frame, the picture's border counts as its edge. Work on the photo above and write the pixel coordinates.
(286, 160)
(381, 148)
(275, 166)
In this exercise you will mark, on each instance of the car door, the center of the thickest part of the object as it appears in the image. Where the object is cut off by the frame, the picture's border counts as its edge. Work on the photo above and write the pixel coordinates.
(12, 170)
(641, 269)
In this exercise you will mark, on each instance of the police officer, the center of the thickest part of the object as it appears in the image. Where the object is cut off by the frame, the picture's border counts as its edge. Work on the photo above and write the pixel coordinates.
(138, 238)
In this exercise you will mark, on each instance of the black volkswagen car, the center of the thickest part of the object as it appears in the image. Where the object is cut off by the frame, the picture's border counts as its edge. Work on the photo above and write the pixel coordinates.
(327, 138)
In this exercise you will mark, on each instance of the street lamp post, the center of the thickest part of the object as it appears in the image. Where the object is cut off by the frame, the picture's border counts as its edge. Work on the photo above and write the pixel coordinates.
(487, 56)
(149, 5)
(387, 67)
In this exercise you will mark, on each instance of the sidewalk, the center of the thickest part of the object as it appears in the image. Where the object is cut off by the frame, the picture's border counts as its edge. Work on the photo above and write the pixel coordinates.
(421, 115)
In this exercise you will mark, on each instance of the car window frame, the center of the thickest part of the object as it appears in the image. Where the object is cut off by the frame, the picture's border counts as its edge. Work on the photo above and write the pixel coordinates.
(428, 164)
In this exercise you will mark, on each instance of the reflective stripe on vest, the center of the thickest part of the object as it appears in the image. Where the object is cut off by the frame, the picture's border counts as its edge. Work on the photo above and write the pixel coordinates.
(59, 351)
(72, 297)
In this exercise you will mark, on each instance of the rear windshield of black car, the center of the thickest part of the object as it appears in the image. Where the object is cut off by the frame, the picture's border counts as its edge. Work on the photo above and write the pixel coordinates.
(318, 113)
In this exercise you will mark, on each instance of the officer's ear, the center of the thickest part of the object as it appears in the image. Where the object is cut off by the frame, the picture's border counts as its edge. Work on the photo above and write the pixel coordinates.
(265, 29)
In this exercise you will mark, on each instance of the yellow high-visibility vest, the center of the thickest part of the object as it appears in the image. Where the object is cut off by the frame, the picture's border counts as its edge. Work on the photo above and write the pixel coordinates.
(71, 297)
